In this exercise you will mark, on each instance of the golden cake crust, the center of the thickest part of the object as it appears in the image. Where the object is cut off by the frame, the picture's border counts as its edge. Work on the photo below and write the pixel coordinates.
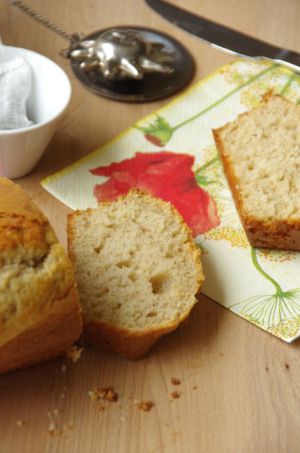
(41, 325)
(48, 336)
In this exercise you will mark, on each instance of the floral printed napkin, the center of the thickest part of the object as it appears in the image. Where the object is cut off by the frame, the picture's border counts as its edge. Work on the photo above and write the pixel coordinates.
(171, 154)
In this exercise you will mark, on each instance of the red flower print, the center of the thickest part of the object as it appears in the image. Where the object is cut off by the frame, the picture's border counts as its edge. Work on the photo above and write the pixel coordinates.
(165, 175)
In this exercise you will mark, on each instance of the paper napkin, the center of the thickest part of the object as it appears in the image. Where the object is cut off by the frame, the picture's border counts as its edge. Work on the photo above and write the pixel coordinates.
(172, 154)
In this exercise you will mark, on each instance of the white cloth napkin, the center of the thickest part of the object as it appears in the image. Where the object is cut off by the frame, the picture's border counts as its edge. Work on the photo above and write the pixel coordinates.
(15, 86)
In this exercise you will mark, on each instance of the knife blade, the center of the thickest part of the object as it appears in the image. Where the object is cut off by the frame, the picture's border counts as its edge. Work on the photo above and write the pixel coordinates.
(224, 38)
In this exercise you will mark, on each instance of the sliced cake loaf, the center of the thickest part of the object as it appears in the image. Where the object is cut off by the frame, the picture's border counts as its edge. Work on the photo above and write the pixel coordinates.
(137, 269)
(261, 156)
(39, 310)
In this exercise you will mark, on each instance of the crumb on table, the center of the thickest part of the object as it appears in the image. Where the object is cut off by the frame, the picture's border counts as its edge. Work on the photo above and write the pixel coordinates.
(53, 429)
(74, 353)
(145, 406)
(175, 395)
(175, 381)
(69, 426)
(107, 394)
(53, 413)
(20, 423)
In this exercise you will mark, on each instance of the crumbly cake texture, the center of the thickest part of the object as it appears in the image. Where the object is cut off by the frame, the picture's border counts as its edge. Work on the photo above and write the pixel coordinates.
(260, 151)
(138, 271)
(39, 310)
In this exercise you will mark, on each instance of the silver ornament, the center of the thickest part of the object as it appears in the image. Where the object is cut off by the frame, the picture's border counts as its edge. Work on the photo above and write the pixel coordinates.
(120, 54)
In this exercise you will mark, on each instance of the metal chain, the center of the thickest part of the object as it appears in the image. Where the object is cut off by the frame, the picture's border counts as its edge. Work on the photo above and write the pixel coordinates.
(42, 20)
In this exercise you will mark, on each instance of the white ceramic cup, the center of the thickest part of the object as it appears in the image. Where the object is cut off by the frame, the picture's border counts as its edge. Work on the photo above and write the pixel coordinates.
(21, 149)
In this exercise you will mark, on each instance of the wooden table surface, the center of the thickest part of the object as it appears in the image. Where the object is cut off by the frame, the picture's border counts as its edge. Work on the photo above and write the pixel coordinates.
(240, 387)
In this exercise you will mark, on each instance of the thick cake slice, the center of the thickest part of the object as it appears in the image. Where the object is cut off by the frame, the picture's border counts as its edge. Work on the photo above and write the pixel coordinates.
(39, 311)
(261, 156)
(138, 271)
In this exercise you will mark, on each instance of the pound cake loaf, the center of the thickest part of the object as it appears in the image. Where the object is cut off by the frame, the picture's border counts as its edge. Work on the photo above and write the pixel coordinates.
(39, 310)
(138, 271)
(261, 156)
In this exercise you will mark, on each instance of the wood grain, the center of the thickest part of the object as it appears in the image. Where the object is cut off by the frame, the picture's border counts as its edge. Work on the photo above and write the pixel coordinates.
(240, 387)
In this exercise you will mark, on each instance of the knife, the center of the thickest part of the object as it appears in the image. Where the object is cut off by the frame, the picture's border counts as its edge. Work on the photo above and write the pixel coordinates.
(224, 38)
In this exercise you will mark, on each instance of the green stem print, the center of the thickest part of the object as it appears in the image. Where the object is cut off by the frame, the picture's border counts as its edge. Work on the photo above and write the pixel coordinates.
(288, 83)
(262, 272)
(273, 309)
(159, 132)
(200, 176)
(285, 89)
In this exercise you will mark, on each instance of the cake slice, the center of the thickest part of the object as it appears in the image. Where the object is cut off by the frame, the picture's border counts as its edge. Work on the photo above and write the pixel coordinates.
(39, 310)
(137, 269)
(261, 157)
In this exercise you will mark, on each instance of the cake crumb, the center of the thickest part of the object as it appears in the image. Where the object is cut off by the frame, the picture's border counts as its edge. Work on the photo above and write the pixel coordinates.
(51, 427)
(145, 406)
(93, 395)
(107, 394)
(175, 381)
(65, 389)
(55, 427)
(53, 430)
(68, 426)
(74, 353)
(175, 395)
(20, 423)
(53, 413)
(111, 396)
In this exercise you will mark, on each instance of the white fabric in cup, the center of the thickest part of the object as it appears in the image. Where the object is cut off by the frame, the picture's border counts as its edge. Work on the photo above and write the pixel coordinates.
(15, 85)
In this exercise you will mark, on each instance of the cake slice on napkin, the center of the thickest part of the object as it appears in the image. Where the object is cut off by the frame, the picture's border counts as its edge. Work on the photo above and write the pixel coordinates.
(261, 157)
(138, 271)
